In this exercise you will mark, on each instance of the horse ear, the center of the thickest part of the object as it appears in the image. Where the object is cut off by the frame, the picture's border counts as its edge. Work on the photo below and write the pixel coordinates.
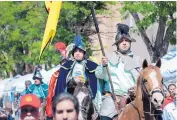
(158, 64)
(145, 63)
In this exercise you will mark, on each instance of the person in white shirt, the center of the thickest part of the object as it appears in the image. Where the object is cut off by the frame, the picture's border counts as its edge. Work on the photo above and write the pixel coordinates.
(170, 110)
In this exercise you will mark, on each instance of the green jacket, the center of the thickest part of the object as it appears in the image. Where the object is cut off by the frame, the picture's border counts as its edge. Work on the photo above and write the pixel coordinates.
(123, 70)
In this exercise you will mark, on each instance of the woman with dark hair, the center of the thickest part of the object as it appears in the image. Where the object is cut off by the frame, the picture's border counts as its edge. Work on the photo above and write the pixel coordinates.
(65, 107)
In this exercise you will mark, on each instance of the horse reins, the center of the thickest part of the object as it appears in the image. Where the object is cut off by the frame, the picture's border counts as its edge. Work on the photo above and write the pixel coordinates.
(137, 111)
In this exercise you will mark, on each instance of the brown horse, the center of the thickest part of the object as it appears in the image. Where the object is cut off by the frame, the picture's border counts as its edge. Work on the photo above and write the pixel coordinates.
(149, 95)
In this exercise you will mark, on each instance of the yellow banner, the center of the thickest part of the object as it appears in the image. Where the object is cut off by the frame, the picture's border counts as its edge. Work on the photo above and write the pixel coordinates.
(51, 25)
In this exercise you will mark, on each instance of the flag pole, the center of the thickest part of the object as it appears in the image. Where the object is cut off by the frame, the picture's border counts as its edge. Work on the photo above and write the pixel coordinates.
(103, 52)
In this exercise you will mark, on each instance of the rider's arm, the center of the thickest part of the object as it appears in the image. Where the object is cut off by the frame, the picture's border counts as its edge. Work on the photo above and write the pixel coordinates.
(101, 72)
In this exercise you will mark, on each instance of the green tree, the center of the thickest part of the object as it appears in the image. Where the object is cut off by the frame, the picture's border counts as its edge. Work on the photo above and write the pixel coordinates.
(160, 12)
(22, 27)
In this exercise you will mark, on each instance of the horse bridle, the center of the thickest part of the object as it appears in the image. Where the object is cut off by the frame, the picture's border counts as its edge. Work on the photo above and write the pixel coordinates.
(155, 90)
(149, 95)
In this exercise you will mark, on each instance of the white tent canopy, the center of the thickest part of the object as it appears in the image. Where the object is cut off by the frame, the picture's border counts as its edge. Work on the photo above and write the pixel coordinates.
(18, 82)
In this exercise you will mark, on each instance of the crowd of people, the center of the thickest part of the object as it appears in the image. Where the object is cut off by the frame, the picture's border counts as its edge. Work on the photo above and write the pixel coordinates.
(80, 80)
(170, 104)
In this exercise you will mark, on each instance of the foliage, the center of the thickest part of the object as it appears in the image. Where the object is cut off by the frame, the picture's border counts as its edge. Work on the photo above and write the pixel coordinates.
(151, 12)
(22, 27)
(18, 30)
(161, 12)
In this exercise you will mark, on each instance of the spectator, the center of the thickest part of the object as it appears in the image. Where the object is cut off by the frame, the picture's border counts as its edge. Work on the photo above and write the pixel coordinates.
(8, 110)
(167, 94)
(169, 99)
(27, 84)
(3, 115)
(16, 104)
(29, 106)
(65, 107)
(170, 110)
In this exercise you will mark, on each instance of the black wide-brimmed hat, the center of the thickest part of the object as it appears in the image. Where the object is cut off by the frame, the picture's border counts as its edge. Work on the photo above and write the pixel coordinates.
(123, 32)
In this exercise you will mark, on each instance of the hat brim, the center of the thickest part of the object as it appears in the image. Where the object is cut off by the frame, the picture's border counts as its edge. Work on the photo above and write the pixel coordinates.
(77, 47)
(34, 78)
(128, 38)
(32, 105)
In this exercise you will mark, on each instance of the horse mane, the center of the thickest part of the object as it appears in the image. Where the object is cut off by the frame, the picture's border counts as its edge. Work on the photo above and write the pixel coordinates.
(138, 80)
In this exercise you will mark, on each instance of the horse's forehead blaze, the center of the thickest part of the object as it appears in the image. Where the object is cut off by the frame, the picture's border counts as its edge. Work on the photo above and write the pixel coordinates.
(153, 76)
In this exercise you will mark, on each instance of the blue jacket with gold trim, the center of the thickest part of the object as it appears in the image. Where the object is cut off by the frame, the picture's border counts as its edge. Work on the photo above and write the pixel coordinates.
(66, 69)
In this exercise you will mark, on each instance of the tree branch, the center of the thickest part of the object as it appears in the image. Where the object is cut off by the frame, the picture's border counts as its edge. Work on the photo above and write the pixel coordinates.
(143, 34)
(160, 32)
(169, 33)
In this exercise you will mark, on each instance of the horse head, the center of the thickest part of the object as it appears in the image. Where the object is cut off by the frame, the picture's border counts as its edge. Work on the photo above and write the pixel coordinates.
(151, 84)
(82, 93)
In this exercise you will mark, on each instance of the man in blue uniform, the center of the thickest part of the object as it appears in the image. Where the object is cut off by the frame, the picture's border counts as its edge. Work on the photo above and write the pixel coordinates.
(77, 70)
